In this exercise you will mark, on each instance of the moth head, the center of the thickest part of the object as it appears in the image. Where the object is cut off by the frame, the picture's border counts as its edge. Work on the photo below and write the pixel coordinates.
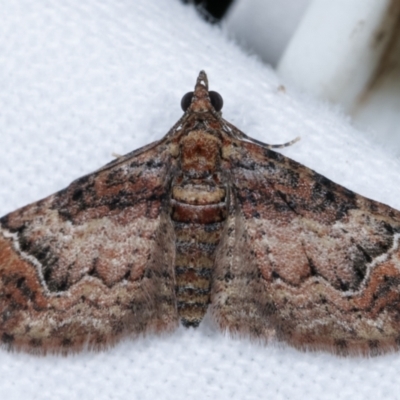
(202, 100)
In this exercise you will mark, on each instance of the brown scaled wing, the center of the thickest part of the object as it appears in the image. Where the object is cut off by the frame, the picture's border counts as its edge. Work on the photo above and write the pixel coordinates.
(205, 216)
(92, 262)
(305, 260)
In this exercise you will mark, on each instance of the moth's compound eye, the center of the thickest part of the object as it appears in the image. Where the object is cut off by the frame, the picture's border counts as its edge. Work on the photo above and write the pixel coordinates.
(216, 100)
(186, 100)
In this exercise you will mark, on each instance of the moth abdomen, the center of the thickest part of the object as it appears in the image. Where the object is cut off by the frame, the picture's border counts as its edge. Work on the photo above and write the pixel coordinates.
(194, 260)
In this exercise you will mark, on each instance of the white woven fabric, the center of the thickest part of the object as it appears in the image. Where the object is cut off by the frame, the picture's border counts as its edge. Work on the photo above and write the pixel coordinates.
(80, 80)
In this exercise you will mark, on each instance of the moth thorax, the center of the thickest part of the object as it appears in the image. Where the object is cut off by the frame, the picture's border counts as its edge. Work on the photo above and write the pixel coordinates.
(200, 154)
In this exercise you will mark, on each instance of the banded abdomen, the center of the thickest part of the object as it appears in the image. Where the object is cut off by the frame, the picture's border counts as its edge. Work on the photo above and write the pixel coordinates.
(198, 212)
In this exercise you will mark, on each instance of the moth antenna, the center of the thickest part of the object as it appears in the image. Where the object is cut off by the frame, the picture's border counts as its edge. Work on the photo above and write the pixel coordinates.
(270, 146)
(279, 146)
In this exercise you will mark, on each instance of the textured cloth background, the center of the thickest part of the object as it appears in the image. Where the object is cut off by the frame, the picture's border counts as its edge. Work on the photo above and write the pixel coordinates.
(80, 80)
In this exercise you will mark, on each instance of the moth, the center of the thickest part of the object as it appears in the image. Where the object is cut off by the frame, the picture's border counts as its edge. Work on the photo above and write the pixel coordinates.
(204, 218)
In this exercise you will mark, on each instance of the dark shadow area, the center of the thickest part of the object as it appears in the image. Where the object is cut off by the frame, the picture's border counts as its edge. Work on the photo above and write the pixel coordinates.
(211, 10)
